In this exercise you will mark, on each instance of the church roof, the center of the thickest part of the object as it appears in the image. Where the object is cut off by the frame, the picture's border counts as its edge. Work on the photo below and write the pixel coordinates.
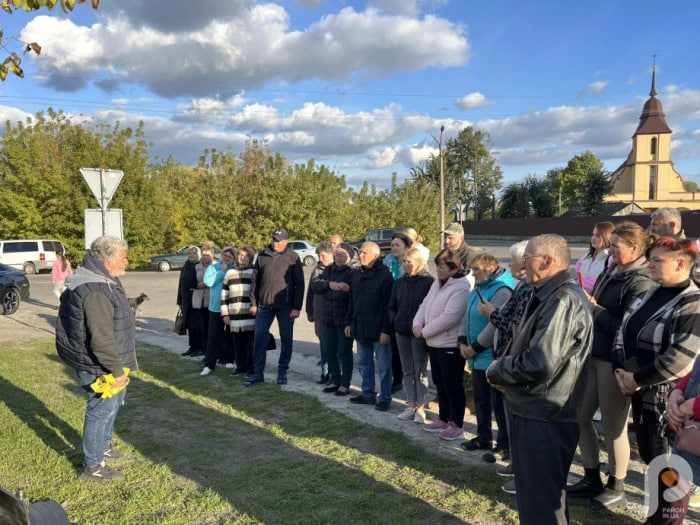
(652, 119)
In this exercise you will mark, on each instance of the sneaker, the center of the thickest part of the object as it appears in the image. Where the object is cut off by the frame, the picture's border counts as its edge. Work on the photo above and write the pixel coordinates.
(362, 400)
(101, 472)
(383, 406)
(189, 352)
(206, 371)
(112, 454)
(436, 426)
(254, 380)
(505, 472)
(419, 416)
(608, 499)
(509, 487)
(475, 444)
(407, 414)
(197, 353)
(694, 497)
(452, 432)
(229, 366)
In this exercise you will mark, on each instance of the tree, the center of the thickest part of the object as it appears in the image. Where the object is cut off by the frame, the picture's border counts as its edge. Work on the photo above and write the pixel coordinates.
(539, 194)
(598, 185)
(573, 181)
(11, 64)
(470, 170)
(690, 186)
(514, 202)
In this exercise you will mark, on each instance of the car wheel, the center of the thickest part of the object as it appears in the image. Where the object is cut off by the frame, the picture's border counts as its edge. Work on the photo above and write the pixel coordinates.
(309, 260)
(10, 301)
(29, 268)
(164, 266)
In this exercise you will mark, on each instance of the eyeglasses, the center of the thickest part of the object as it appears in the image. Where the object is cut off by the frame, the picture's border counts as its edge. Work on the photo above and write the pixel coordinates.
(528, 257)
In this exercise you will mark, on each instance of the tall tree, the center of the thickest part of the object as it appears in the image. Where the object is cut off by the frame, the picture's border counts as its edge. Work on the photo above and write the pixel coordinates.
(572, 181)
(539, 194)
(598, 185)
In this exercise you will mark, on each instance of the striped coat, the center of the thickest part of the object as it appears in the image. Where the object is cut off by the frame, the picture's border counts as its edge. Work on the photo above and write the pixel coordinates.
(237, 297)
(672, 334)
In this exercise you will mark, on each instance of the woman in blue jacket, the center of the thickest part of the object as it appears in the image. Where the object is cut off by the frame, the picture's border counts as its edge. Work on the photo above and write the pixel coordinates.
(217, 342)
(495, 285)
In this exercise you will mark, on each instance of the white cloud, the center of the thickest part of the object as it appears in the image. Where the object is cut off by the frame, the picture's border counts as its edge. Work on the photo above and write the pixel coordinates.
(208, 109)
(594, 87)
(381, 158)
(249, 48)
(474, 100)
(120, 101)
(309, 4)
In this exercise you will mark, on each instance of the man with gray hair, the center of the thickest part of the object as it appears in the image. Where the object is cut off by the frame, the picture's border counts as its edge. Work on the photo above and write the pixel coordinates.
(95, 336)
(543, 381)
(666, 222)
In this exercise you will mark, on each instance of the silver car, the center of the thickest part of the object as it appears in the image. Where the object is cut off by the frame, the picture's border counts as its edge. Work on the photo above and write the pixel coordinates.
(306, 252)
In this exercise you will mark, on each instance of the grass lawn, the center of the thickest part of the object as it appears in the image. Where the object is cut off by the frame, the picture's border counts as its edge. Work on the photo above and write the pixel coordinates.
(209, 450)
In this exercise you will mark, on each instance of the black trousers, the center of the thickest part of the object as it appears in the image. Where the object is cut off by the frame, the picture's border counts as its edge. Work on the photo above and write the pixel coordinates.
(447, 366)
(219, 344)
(396, 368)
(541, 454)
(243, 349)
(487, 398)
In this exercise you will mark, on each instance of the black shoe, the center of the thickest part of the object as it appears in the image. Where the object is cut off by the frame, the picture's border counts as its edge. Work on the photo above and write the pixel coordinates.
(324, 379)
(505, 472)
(197, 353)
(585, 488)
(340, 392)
(254, 380)
(489, 457)
(188, 353)
(475, 444)
(236, 372)
(331, 388)
(362, 400)
(383, 406)
(395, 388)
(112, 454)
(101, 472)
(608, 499)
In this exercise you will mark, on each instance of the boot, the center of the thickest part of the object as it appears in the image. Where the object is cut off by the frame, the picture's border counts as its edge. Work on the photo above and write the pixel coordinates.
(612, 497)
(589, 487)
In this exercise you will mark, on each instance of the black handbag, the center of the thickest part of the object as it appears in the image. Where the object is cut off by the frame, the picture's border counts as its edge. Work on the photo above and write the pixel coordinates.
(179, 327)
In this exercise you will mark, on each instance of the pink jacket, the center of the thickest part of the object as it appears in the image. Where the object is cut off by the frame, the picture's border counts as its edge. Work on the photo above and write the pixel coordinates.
(441, 313)
(58, 275)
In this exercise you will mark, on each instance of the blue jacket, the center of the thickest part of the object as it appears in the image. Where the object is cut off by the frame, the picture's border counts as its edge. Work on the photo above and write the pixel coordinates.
(475, 322)
(214, 279)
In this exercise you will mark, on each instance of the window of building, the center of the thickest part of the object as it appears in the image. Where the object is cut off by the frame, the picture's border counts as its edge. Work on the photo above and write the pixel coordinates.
(652, 182)
(653, 147)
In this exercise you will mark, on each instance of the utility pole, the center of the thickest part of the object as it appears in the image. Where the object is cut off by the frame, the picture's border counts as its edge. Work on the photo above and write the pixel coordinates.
(442, 188)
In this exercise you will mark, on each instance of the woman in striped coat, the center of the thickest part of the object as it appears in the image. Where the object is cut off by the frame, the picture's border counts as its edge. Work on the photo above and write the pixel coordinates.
(238, 308)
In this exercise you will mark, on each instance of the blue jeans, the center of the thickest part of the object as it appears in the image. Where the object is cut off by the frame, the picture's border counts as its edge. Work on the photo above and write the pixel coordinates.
(99, 420)
(263, 321)
(366, 353)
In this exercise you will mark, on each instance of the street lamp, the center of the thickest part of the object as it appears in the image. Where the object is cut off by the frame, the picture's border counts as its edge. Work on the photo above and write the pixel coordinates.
(442, 188)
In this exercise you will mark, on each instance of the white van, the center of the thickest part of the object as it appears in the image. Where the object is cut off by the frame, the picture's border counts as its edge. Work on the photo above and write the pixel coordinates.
(29, 255)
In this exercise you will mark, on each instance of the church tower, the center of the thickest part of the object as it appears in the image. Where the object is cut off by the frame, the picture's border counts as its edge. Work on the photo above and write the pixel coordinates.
(648, 177)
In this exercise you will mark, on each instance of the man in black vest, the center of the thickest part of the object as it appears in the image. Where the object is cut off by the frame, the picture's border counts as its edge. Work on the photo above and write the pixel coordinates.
(95, 336)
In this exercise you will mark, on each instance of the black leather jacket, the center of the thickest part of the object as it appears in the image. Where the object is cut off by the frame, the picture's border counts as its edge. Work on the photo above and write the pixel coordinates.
(544, 373)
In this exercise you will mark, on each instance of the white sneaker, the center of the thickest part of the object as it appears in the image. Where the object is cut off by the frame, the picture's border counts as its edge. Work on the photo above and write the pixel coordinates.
(206, 371)
(407, 414)
(229, 365)
(597, 416)
(419, 416)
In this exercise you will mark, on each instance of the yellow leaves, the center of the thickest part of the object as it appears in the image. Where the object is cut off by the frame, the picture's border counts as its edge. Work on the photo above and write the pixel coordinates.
(67, 5)
(3, 72)
(16, 69)
(5, 5)
(13, 61)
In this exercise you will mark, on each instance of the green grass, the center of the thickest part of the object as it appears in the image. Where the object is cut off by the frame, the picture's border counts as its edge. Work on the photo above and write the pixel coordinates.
(208, 451)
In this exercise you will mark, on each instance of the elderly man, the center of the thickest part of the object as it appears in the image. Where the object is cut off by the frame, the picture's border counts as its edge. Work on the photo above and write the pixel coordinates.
(367, 321)
(543, 381)
(454, 240)
(279, 292)
(336, 240)
(666, 222)
(95, 336)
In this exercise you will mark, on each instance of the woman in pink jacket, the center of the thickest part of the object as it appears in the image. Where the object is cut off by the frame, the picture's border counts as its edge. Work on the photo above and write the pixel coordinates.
(438, 320)
(59, 271)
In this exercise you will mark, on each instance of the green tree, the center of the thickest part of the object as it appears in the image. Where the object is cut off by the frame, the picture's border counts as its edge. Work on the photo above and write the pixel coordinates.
(572, 181)
(690, 186)
(514, 202)
(598, 185)
(539, 194)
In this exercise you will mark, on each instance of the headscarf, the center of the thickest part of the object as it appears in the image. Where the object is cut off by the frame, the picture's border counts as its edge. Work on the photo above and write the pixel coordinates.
(199, 253)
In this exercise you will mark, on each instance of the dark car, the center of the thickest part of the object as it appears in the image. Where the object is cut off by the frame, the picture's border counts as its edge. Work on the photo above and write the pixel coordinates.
(14, 288)
(176, 260)
(381, 236)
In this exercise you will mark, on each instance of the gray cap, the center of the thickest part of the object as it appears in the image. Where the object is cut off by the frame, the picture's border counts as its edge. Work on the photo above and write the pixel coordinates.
(453, 228)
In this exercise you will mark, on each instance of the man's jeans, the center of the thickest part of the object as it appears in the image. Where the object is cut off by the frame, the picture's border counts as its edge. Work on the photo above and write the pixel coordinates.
(365, 364)
(99, 420)
(263, 321)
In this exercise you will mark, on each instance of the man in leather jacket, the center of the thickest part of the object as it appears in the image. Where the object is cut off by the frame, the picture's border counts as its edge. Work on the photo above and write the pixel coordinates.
(543, 380)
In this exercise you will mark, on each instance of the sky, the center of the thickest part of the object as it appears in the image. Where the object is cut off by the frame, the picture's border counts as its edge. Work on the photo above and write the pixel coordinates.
(365, 86)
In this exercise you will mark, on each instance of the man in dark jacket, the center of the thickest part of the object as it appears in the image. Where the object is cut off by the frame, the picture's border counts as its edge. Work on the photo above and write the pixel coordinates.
(367, 321)
(279, 292)
(95, 336)
(543, 381)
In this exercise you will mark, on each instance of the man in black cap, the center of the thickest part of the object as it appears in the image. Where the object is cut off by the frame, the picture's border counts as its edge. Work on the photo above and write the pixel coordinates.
(279, 292)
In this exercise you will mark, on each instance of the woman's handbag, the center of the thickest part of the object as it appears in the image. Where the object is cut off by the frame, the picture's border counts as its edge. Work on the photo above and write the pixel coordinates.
(689, 437)
(179, 327)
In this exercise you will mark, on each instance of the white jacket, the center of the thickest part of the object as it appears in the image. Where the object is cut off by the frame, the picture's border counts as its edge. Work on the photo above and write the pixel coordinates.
(441, 313)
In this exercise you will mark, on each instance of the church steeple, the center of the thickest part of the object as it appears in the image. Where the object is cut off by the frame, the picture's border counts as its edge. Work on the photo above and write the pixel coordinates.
(652, 119)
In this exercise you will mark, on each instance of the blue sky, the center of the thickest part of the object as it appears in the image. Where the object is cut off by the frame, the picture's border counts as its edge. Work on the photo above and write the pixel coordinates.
(361, 85)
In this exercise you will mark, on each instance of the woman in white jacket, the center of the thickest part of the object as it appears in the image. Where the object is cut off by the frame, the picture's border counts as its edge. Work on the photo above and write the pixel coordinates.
(438, 320)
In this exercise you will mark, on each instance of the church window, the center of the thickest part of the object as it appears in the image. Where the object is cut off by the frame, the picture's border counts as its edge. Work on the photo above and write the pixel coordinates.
(652, 182)
(653, 147)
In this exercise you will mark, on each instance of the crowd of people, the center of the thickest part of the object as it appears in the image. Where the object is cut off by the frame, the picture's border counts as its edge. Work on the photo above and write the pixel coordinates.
(548, 348)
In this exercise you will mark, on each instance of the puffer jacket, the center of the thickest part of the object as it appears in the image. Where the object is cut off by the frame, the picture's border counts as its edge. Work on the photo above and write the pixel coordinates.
(407, 294)
(614, 291)
(335, 304)
(441, 313)
(368, 308)
(544, 373)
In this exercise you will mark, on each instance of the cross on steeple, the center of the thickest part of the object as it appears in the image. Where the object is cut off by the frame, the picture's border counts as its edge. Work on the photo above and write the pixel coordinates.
(652, 93)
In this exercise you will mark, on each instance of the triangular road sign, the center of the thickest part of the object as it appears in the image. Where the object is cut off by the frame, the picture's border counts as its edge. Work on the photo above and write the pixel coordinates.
(112, 178)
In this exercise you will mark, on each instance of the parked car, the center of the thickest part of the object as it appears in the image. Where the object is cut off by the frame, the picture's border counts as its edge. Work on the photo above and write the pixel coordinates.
(381, 236)
(29, 255)
(176, 260)
(14, 288)
(306, 252)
